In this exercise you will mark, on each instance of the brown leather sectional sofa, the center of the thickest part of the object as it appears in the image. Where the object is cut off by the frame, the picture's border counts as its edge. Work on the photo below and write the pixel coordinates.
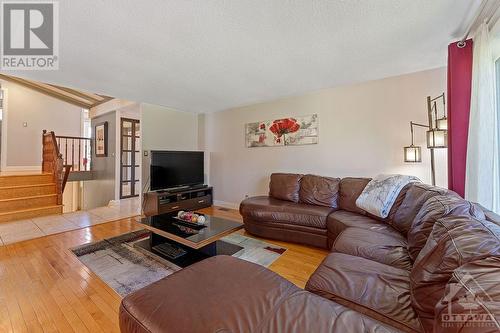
(432, 266)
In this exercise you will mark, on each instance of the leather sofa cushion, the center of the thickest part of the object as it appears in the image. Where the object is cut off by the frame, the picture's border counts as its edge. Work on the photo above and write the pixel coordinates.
(386, 248)
(349, 190)
(269, 209)
(340, 220)
(374, 289)
(287, 232)
(321, 191)
(473, 288)
(307, 312)
(453, 242)
(198, 299)
(288, 226)
(415, 198)
(285, 186)
(225, 294)
(433, 209)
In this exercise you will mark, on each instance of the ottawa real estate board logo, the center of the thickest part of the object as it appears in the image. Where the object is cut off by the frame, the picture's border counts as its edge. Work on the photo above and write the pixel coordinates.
(30, 35)
(466, 306)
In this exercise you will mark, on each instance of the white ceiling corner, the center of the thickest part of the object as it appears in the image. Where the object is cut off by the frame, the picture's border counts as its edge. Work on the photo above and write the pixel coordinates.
(205, 56)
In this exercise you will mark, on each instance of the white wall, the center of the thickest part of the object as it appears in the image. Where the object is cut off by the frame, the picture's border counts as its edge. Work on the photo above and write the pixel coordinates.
(39, 111)
(71, 197)
(120, 108)
(166, 129)
(101, 189)
(363, 129)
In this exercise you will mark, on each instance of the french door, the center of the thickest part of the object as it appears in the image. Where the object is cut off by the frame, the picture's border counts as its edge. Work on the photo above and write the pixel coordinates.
(130, 158)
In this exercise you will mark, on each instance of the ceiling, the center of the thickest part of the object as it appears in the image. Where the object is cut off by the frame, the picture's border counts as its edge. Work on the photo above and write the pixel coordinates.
(76, 97)
(203, 56)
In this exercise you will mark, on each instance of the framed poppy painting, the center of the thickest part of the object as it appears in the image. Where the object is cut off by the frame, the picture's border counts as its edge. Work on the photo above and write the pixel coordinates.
(283, 132)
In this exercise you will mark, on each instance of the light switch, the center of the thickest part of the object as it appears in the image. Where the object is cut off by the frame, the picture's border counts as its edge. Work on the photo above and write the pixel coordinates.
(25, 124)
(145, 153)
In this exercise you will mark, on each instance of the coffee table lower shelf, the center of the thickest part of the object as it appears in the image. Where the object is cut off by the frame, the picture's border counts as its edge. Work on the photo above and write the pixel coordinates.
(192, 256)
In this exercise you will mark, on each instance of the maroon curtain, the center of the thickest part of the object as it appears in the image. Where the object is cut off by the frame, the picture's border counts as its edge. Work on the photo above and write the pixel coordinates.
(459, 90)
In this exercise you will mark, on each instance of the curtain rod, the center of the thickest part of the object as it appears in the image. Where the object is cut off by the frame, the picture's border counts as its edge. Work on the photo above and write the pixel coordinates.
(462, 43)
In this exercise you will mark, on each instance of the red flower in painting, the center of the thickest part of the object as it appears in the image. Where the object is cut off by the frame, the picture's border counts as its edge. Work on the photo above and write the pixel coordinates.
(284, 126)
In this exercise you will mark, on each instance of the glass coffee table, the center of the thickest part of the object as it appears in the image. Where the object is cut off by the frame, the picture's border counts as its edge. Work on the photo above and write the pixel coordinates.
(184, 243)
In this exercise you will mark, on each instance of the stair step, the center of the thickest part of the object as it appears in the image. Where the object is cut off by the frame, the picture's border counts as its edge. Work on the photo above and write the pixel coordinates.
(14, 204)
(30, 213)
(29, 179)
(10, 192)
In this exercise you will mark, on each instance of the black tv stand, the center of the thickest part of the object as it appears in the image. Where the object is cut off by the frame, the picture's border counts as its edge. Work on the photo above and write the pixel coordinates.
(173, 200)
(181, 189)
(196, 187)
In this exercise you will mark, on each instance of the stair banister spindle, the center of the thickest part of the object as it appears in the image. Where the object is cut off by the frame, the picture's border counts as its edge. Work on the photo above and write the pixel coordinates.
(85, 156)
(79, 154)
(66, 151)
(73, 152)
(71, 155)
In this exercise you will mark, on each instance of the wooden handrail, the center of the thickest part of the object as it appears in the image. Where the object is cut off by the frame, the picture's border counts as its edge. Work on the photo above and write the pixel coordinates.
(52, 162)
(72, 137)
(76, 151)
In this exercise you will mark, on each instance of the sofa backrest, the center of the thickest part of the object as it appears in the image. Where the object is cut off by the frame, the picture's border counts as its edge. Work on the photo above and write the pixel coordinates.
(397, 203)
(490, 216)
(320, 191)
(351, 188)
(416, 196)
(453, 242)
(349, 191)
(328, 192)
(285, 186)
(435, 208)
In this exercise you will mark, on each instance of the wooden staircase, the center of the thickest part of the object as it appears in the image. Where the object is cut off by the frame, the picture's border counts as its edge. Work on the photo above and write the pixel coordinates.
(25, 196)
(28, 195)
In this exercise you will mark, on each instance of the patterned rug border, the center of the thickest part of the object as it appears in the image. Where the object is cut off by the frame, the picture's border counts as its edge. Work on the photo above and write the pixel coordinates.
(117, 255)
(102, 244)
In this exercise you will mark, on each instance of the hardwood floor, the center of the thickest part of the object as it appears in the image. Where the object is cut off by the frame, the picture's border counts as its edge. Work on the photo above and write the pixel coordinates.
(296, 264)
(44, 288)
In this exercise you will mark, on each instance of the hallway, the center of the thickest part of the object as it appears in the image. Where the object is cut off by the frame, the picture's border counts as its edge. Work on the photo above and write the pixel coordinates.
(16, 231)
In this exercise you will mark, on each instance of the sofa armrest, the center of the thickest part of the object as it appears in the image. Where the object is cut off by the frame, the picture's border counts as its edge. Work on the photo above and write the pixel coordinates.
(490, 215)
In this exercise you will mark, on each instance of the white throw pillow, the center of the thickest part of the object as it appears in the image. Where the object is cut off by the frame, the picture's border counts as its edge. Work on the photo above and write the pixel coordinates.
(381, 192)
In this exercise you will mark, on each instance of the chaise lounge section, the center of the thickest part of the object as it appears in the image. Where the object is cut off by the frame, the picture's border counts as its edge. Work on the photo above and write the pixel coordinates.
(225, 294)
(431, 266)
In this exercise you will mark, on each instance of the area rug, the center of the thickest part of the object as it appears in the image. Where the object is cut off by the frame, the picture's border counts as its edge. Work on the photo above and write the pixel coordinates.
(126, 268)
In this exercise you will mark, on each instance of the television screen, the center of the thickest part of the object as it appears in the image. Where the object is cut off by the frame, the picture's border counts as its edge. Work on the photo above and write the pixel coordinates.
(171, 169)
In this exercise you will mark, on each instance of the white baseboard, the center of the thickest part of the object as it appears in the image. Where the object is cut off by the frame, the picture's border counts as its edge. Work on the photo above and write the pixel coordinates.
(22, 168)
(225, 204)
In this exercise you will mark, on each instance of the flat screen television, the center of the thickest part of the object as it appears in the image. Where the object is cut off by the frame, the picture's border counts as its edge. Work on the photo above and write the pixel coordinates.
(171, 169)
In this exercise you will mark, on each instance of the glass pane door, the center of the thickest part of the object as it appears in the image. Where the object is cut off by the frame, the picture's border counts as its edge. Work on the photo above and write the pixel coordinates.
(129, 160)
